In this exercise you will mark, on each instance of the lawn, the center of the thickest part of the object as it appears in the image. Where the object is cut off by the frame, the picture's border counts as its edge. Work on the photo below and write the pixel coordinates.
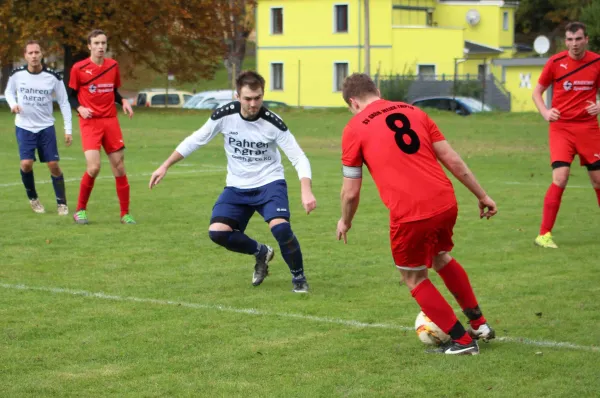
(156, 309)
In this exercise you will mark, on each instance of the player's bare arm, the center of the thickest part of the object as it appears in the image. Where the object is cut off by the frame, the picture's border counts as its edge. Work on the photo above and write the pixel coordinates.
(550, 115)
(68, 139)
(123, 102)
(308, 199)
(161, 172)
(350, 198)
(454, 163)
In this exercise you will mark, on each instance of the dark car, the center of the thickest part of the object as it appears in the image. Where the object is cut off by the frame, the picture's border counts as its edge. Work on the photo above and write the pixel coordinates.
(463, 106)
(3, 102)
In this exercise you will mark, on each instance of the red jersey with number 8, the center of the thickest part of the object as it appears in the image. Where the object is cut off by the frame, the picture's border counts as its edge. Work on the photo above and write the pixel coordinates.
(395, 141)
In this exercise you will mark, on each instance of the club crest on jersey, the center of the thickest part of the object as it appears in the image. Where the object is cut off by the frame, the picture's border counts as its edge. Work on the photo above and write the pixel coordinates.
(92, 88)
(567, 85)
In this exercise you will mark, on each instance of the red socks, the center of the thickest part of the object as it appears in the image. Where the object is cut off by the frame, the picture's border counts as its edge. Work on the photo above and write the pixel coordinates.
(435, 306)
(87, 184)
(123, 193)
(85, 190)
(457, 281)
(551, 206)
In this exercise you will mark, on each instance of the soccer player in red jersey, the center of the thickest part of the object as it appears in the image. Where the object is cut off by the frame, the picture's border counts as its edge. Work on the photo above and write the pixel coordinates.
(401, 147)
(575, 76)
(93, 93)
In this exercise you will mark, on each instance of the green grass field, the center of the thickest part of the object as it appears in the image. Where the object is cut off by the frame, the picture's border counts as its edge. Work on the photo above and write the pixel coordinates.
(158, 310)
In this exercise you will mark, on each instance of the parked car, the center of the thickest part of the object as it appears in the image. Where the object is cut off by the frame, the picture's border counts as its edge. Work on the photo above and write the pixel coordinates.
(199, 100)
(275, 105)
(214, 104)
(463, 106)
(158, 97)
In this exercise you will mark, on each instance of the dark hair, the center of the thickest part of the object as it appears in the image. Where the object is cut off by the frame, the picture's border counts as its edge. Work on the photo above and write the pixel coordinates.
(94, 33)
(573, 27)
(358, 85)
(31, 42)
(251, 79)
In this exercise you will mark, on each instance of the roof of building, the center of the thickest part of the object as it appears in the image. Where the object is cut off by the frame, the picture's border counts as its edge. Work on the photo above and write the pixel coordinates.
(538, 61)
(478, 48)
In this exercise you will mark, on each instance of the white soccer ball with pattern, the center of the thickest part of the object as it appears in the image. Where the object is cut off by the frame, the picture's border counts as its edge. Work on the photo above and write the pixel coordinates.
(428, 332)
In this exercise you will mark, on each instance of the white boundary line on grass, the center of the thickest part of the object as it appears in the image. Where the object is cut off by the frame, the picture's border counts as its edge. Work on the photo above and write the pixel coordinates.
(210, 169)
(534, 184)
(214, 169)
(253, 311)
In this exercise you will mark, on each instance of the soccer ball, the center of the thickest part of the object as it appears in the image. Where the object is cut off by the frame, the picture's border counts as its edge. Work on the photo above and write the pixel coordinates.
(429, 332)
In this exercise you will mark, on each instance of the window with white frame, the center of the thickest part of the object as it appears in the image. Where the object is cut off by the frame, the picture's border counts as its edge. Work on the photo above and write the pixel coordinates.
(340, 21)
(277, 21)
(505, 20)
(276, 76)
(426, 72)
(340, 72)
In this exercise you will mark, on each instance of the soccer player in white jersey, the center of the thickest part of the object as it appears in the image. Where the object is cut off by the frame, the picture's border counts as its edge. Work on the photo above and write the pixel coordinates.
(255, 179)
(29, 96)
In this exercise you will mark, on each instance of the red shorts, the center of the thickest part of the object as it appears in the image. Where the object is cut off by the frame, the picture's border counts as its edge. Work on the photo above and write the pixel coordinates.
(570, 139)
(101, 132)
(415, 243)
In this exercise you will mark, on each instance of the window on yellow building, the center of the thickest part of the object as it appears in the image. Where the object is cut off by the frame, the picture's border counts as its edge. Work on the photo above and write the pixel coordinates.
(277, 21)
(340, 18)
(426, 72)
(276, 76)
(505, 20)
(340, 71)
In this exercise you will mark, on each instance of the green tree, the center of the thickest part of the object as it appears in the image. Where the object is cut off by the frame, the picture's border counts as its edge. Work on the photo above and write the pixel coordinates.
(176, 36)
(547, 17)
(590, 16)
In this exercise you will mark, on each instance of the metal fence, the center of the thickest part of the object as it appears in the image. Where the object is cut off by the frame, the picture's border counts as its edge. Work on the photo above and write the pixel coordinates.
(488, 90)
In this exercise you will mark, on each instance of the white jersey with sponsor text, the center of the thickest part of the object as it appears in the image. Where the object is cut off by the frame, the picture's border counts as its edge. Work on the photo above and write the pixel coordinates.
(33, 93)
(253, 159)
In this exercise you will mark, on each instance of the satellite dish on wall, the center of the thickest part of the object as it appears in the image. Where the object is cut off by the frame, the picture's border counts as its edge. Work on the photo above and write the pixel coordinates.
(473, 17)
(541, 45)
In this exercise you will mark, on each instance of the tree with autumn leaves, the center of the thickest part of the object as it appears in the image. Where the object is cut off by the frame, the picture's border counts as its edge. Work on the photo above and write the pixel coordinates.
(186, 37)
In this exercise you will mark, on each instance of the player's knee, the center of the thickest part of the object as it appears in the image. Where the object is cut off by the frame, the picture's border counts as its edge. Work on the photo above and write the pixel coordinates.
(119, 168)
(220, 237)
(440, 260)
(93, 170)
(560, 175)
(412, 278)
(26, 165)
(560, 180)
(283, 233)
(54, 169)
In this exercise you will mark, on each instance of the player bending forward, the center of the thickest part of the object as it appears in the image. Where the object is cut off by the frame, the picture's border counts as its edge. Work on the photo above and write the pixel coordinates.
(401, 147)
(255, 180)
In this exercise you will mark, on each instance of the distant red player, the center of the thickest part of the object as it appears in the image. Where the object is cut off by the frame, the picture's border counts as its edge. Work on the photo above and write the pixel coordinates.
(93, 93)
(575, 77)
(401, 146)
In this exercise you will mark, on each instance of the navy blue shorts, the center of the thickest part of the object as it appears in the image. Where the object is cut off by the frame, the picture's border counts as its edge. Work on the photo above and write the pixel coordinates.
(44, 141)
(236, 206)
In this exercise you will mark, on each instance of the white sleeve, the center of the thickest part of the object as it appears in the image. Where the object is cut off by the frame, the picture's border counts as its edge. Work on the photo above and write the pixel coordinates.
(65, 107)
(200, 137)
(288, 144)
(11, 93)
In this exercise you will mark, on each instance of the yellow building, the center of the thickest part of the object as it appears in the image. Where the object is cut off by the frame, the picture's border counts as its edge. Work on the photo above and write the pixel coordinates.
(305, 48)
(520, 76)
